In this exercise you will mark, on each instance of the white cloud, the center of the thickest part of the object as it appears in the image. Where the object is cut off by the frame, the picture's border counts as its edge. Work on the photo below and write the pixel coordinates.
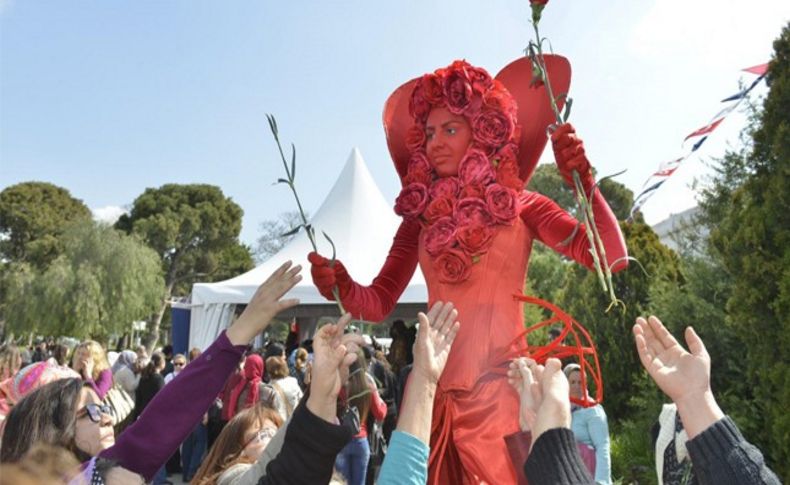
(109, 214)
(713, 33)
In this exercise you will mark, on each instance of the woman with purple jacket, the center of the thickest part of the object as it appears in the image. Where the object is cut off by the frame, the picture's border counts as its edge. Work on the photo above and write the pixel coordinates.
(70, 414)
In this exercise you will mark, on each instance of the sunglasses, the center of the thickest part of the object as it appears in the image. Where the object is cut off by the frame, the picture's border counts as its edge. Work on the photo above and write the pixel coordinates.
(262, 434)
(94, 411)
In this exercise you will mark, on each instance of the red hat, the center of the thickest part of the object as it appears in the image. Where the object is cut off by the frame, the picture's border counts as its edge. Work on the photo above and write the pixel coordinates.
(533, 116)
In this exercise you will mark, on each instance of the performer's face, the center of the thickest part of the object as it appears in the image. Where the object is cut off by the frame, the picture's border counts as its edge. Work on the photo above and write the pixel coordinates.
(448, 136)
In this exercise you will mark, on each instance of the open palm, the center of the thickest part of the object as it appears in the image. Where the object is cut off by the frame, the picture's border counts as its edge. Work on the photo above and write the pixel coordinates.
(677, 372)
(435, 337)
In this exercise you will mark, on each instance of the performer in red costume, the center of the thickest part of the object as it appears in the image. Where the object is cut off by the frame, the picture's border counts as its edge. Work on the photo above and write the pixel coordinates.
(465, 146)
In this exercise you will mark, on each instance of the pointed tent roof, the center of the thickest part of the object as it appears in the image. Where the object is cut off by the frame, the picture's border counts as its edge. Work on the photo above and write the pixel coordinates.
(361, 223)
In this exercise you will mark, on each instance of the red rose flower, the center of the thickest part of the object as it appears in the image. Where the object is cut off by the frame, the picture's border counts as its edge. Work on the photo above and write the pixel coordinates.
(419, 107)
(480, 79)
(445, 187)
(475, 169)
(432, 89)
(492, 128)
(457, 91)
(453, 266)
(507, 175)
(415, 138)
(498, 98)
(502, 203)
(538, 2)
(440, 236)
(412, 200)
(472, 210)
(473, 190)
(439, 207)
(418, 177)
(475, 239)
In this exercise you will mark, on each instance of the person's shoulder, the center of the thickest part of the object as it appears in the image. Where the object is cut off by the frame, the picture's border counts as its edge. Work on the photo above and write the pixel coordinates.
(229, 476)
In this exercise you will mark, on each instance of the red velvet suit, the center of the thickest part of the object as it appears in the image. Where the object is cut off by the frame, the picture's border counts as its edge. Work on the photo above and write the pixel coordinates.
(475, 408)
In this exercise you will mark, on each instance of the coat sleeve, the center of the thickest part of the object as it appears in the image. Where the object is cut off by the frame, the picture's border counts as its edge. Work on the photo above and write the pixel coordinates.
(560, 231)
(175, 411)
(375, 302)
(722, 456)
(308, 452)
(102, 384)
(554, 460)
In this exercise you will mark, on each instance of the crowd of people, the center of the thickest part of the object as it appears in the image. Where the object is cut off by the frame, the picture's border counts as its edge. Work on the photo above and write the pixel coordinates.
(317, 426)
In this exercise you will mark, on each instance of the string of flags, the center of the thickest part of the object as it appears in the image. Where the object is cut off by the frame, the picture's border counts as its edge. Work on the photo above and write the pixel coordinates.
(666, 169)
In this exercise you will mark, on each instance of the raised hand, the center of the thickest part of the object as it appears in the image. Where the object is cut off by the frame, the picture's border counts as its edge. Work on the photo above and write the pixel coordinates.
(435, 337)
(544, 395)
(326, 277)
(520, 377)
(334, 351)
(683, 376)
(569, 154)
(678, 373)
(265, 304)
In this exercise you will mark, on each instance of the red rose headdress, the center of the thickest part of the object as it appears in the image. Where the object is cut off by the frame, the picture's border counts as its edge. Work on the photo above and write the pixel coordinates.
(488, 105)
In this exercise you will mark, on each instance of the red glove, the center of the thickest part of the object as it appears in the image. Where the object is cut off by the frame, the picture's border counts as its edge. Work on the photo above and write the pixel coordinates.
(326, 277)
(570, 156)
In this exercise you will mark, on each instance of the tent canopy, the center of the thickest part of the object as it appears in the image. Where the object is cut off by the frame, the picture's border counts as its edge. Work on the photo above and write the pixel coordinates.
(362, 225)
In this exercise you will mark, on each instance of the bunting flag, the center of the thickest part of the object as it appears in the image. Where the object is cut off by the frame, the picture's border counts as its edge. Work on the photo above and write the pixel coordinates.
(666, 169)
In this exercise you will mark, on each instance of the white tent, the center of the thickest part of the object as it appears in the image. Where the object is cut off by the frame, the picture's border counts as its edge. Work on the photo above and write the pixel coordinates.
(360, 222)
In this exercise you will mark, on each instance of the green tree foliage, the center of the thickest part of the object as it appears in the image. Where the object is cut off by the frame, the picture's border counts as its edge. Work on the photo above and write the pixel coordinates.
(194, 229)
(33, 215)
(750, 206)
(103, 281)
(583, 298)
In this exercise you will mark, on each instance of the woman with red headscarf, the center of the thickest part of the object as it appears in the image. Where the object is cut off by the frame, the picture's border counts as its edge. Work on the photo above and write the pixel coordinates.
(248, 389)
(465, 145)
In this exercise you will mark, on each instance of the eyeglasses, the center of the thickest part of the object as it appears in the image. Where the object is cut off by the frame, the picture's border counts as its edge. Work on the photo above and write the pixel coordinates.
(262, 434)
(94, 411)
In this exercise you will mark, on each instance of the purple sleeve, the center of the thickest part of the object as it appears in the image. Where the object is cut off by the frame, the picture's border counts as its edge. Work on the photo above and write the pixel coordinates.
(175, 411)
(102, 384)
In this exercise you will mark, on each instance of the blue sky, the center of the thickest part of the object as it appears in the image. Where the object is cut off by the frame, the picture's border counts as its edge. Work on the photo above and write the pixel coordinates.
(108, 98)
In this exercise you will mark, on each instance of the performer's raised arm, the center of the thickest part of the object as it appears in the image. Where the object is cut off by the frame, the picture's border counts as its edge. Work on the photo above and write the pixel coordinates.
(554, 226)
(376, 301)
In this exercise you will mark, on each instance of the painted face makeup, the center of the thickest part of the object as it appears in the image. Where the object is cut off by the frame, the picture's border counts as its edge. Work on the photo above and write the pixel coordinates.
(447, 137)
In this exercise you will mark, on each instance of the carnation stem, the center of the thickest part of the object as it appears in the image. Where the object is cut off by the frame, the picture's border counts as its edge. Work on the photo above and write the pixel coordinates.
(597, 249)
(291, 182)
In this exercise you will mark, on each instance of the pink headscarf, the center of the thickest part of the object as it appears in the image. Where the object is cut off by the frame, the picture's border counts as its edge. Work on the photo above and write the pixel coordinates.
(253, 374)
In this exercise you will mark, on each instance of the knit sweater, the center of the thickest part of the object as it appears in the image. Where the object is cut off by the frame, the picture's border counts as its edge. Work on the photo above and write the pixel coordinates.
(720, 456)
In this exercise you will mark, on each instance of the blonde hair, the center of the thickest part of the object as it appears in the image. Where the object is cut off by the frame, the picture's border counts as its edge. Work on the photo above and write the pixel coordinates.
(301, 358)
(276, 367)
(10, 361)
(97, 353)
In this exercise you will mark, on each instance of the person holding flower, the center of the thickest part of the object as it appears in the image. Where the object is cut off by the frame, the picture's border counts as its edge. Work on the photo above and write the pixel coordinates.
(465, 144)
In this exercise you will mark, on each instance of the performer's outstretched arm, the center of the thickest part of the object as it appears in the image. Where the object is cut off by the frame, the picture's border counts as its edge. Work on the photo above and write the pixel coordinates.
(558, 229)
(376, 301)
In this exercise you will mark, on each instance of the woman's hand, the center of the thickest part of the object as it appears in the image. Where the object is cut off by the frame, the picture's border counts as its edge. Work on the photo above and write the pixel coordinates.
(435, 337)
(544, 395)
(265, 304)
(683, 376)
(569, 154)
(334, 351)
(86, 368)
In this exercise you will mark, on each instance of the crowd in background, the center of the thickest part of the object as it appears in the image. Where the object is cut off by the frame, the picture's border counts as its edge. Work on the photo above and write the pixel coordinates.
(328, 410)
